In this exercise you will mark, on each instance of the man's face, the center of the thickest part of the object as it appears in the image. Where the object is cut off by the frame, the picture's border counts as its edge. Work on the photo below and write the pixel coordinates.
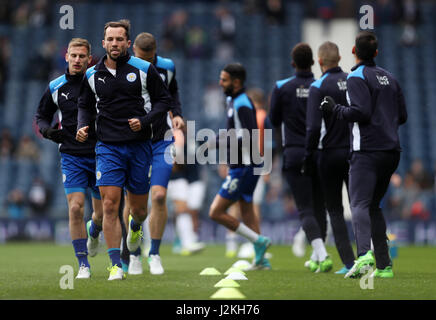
(115, 42)
(78, 59)
(144, 55)
(226, 83)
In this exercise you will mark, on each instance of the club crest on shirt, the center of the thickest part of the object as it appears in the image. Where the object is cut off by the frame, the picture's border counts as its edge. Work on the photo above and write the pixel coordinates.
(230, 112)
(131, 77)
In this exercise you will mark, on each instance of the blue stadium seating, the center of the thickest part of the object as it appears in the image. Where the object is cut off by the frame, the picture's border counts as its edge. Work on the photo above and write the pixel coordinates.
(263, 49)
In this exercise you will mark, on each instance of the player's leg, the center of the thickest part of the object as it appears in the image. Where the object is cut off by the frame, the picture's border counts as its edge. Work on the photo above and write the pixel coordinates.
(137, 186)
(75, 180)
(231, 236)
(111, 167)
(76, 203)
(302, 189)
(157, 222)
(198, 191)
(162, 165)
(388, 163)
(362, 182)
(95, 225)
(333, 169)
(238, 181)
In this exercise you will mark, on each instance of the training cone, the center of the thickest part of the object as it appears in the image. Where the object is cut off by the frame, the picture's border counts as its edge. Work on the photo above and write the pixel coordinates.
(210, 272)
(231, 270)
(228, 293)
(227, 283)
(241, 265)
(236, 276)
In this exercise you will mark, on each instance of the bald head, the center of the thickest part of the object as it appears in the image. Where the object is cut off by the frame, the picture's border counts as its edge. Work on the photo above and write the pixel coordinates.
(328, 55)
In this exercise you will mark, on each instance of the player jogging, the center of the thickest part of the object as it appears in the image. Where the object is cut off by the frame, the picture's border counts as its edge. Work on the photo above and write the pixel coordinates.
(127, 95)
(77, 159)
(241, 180)
(376, 109)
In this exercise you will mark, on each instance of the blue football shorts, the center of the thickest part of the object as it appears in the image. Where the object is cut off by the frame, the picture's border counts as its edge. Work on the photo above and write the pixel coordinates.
(78, 174)
(124, 165)
(162, 163)
(239, 184)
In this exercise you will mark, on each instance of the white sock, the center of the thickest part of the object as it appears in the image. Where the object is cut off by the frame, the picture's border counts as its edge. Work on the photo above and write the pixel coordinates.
(231, 241)
(319, 248)
(246, 232)
(314, 257)
(185, 229)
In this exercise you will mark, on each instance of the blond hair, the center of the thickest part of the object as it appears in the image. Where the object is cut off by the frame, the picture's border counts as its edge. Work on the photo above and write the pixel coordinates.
(329, 53)
(79, 42)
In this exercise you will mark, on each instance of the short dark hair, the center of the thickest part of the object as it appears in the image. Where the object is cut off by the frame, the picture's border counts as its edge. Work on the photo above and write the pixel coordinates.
(145, 41)
(236, 71)
(302, 55)
(366, 45)
(124, 23)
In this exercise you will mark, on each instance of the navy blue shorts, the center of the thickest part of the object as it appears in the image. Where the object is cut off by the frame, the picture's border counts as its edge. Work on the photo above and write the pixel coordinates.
(163, 161)
(124, 165)
(78, 174)
(239, 184)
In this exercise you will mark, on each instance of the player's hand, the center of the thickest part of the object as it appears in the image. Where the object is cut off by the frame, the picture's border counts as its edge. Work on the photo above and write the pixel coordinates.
(308, 167)
(82, 134)
(328, 104)
(178, 122)
(56, 135)
(135, 124)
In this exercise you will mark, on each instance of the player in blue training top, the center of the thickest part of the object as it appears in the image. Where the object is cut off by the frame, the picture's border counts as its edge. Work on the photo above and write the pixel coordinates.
(288, 109)
(376, 110)
(241, 179)
(127, 95)
(328, 146)
(144, 47)
(77, 159)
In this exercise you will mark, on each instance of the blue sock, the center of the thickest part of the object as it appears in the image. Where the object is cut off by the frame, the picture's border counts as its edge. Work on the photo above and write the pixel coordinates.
(135, 226)
(114, 255)
(154, 249)
(81, 251)
(94, 230)
(137, 252)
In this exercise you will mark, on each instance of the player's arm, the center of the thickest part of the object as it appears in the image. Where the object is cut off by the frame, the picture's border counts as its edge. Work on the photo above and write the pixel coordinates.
(44, 116)
(360, 108)
(176, 107)
(159, 97)
(85, 110)
(402, 106)
(248, 121)
(275, 114)
(313, 119)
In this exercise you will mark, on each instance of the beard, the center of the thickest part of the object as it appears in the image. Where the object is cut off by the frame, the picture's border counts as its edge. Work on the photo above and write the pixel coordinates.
(228, 91)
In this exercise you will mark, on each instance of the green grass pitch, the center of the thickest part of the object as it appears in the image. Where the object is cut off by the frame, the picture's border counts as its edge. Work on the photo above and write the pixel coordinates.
(31, 271)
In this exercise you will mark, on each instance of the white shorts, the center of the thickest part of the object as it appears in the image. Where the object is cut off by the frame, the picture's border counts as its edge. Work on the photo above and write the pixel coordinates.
(178, 190)
(196, 192)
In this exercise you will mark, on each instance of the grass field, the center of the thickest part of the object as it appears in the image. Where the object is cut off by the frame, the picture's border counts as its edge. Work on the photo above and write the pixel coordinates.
(31, 271)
